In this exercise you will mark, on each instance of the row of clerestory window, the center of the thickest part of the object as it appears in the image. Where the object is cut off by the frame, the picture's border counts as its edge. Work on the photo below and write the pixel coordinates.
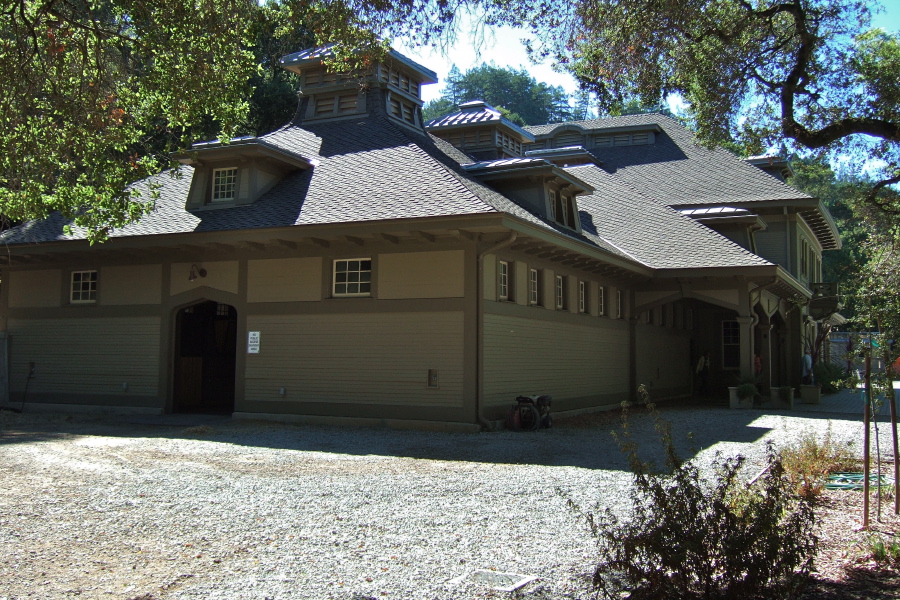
(561, 299)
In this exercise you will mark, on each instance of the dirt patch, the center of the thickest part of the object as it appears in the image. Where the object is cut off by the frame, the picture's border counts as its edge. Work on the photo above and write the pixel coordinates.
(845, 569)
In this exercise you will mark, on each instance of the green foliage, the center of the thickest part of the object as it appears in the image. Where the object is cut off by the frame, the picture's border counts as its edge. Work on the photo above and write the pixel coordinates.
(883, 551)
(691, 536)
(809, 460)
(830, 376)
(435, 109)
(840, 194)
(96, 92)
(505, 88)
(747, 390)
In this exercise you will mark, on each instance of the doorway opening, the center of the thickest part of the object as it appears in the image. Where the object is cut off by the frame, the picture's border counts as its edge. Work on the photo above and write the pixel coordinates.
(205, 351)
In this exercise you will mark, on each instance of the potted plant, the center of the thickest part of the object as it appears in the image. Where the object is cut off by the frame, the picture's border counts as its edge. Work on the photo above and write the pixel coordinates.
(810, 393)
(742, 395)
(782, 397)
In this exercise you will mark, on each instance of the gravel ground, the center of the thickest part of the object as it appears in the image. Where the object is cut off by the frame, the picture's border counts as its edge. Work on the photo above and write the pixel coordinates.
(95, 508)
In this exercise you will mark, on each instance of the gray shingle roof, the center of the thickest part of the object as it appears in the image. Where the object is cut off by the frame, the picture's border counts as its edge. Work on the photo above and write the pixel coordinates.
(371, 169)
(676, 170)
(650, 233)
(476, 112)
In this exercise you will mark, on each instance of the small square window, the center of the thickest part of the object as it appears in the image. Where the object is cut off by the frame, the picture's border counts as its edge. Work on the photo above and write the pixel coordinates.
(353, 277)
(84, 287)
(601, 301)
(224, 184)
(503, 280)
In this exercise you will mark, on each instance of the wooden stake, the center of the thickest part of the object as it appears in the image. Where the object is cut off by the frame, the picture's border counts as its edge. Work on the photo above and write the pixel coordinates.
(866, 440)
(893, 401)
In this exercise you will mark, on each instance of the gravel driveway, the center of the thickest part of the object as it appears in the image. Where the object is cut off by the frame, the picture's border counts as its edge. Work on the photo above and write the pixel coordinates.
(95, 508)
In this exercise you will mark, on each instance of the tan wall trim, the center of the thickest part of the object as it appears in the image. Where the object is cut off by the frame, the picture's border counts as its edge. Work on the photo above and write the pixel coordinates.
(127, 285)
(33, 288)
(284, 280)
(220, 275)
(436, 274)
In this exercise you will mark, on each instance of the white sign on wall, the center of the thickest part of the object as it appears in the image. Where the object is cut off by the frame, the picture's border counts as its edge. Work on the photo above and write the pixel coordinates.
(252, 342)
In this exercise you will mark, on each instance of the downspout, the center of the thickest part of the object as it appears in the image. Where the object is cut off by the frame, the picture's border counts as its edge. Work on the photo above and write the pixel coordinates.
(787, 242)
(480, 328)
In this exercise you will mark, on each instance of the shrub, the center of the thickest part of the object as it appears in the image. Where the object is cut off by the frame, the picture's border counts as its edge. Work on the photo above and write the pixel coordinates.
(747, 390)
(882, 551)
(808, 461)
(690, 536)
(830, 376)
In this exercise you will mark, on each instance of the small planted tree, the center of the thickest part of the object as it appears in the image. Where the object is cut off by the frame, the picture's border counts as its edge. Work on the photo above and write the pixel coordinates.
(697, 536)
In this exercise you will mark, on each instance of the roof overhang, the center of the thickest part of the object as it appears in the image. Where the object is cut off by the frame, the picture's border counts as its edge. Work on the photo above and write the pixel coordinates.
(779, 163)
(523, 167)
(241, 148)
(316, 57)
(776, 279)
(568, 156)
(561, 127)
(811, 210)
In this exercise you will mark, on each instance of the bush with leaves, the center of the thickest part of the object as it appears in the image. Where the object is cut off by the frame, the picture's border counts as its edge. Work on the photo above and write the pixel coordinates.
(695, 537)
(830, 376)
(808, 461)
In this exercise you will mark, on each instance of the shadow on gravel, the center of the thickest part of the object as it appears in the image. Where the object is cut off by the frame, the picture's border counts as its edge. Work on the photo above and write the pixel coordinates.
(859, 583)
(584, 441)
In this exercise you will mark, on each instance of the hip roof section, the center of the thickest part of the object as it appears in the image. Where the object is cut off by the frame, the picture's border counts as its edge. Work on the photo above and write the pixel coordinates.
(676, 169)
(370, 169)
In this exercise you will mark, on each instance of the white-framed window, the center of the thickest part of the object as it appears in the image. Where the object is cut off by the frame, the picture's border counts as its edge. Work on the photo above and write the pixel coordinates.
(503, 280)
(568, 201)
(582, 296)
(562, 209)
(224, 184)
(731, 345)
(352, 277)
(534, 287)
(619, 304)
(84, 287)
(560, 292)
(601, 301)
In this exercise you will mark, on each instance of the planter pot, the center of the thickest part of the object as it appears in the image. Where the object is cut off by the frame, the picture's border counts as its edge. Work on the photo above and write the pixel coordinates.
(811, 394)
(782, 397)
(787, 397)
(735, 402)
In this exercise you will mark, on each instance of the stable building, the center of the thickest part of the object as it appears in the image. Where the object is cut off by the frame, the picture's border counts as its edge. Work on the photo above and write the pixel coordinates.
(359, 265)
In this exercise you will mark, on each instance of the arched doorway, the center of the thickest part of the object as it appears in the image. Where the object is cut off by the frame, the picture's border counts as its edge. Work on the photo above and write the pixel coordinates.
(205, 350)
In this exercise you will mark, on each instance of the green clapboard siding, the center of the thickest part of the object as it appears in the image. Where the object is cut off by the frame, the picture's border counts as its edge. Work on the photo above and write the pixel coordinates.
(526, 356)
(370, 358)
(85, 356)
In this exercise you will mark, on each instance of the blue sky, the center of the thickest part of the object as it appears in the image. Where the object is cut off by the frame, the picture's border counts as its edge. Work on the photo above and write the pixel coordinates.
(503, 48)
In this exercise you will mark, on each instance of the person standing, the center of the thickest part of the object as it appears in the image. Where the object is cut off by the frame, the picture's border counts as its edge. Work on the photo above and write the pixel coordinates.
(702, 372)
(807, 368)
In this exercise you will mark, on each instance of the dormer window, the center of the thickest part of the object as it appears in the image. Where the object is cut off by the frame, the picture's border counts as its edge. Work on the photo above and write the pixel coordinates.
(224, 184)
(562, 209)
